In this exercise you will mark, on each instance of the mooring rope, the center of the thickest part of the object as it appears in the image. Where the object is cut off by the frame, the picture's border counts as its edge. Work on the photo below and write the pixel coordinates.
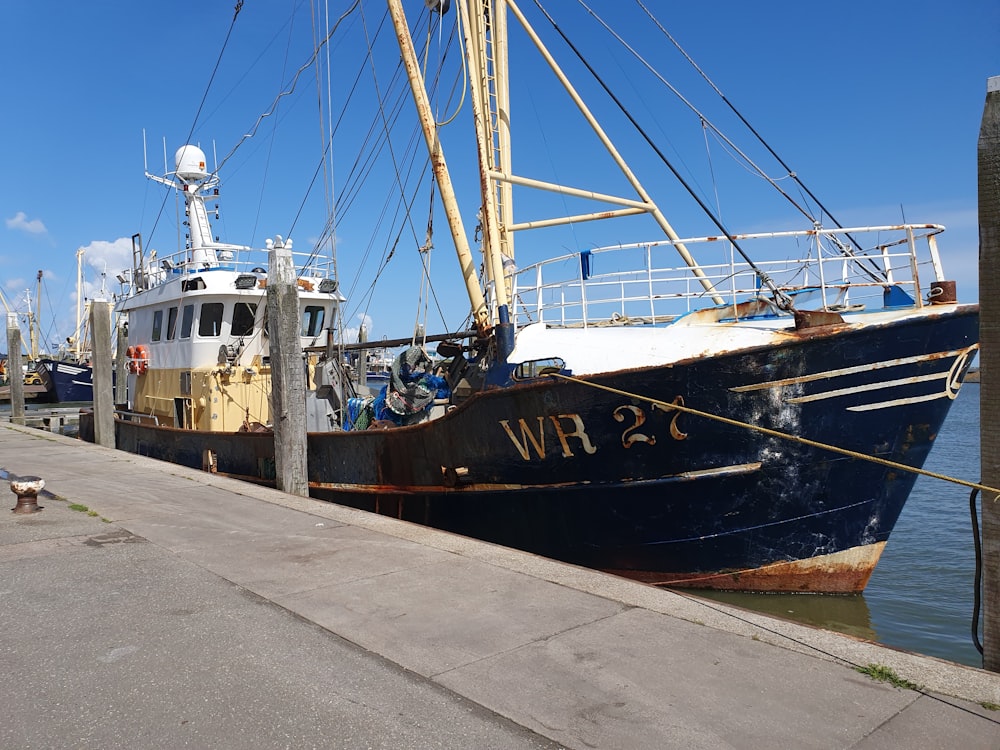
(666, 406)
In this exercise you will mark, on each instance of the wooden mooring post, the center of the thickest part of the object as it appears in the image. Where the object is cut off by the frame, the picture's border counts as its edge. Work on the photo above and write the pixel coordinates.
(15, 375)
(288, 382)
(121, 365)
(989, 356)
(104, 403)
(363, 357)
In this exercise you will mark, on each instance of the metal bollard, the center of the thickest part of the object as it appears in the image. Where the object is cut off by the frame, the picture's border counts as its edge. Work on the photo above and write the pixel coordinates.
(26, 489)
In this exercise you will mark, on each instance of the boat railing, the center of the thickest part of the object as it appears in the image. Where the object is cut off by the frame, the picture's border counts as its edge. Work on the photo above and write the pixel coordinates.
(841, 270)
(134, 416)
(159, 269)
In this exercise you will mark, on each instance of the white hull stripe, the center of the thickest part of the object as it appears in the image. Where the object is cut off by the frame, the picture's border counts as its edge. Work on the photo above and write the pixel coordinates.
(827, 374)
(870, 387)
(950, 378)
(900, 402)
(720, 471)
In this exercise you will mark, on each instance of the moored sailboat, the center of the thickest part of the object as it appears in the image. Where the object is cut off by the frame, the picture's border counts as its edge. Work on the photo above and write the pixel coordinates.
(67, 374)
(607, 408)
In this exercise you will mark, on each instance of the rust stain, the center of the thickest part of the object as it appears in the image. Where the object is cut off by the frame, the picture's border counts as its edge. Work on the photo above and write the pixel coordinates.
(840, 573)
(816, 319)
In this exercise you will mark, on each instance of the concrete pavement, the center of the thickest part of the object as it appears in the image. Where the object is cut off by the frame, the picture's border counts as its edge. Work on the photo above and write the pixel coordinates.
(153, 605)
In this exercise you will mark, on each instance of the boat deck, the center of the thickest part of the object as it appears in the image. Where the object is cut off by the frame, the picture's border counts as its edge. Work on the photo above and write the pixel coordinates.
(216, 613)
(30, 392)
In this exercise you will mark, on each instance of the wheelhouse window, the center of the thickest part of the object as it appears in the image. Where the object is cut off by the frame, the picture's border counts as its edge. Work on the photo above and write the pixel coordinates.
(171, 324)
(210, 319)
(187, 321)
(157, 324)
(243, 317)
(312, 320)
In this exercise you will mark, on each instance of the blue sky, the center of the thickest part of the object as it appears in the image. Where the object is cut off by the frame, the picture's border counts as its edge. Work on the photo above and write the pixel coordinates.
(875, 105)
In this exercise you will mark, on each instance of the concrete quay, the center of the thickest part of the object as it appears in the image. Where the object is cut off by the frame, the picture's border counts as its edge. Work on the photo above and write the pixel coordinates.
(149, 605)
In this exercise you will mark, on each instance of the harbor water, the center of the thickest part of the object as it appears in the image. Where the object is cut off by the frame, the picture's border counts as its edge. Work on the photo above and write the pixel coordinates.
(920, 597)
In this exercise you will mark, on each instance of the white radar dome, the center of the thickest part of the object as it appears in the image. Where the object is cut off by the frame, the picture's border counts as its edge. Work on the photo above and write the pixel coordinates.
(190, 161)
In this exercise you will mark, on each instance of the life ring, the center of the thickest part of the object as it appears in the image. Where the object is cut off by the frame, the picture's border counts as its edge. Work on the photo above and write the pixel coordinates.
(138, 359)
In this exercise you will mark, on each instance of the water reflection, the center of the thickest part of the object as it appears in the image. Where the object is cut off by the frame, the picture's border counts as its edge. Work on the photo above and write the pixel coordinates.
(843, 613)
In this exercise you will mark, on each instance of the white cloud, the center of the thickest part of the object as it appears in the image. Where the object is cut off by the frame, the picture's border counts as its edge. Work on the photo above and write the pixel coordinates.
(108, 257)
(100, 257)
(21, 222)
(350, 333)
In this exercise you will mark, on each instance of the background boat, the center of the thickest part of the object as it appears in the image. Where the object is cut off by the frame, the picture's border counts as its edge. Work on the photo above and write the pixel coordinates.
(66, 380)
(68, 375)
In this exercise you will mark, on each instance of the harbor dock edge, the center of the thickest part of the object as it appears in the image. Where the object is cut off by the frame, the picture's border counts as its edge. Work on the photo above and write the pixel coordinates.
(526, 651)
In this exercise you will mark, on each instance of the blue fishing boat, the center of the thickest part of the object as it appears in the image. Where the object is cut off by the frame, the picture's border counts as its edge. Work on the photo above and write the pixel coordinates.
(699, 411)
(66, 380)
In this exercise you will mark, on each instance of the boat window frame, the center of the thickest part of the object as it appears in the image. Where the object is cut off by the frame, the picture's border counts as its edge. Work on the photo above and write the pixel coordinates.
(241, 327)
(157, 325)
(208, 317)
(538, 368)
(187, 321)
(172, 322)
(312, 325)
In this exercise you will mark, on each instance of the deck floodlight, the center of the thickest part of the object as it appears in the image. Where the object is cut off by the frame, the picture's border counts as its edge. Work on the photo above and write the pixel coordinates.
(328, 286)
(246, 281)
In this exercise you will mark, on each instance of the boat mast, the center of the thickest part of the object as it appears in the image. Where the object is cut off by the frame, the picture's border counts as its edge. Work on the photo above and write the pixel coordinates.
(501, 122)
(645, 204)
(486, 46)
(480, 313)
(79, 305)
(34, 317)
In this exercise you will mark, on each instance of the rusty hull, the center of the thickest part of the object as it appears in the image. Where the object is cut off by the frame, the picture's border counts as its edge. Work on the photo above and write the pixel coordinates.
(844, 572)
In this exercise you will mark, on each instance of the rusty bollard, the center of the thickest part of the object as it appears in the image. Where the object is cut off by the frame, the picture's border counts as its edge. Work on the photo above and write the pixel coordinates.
(26, 489)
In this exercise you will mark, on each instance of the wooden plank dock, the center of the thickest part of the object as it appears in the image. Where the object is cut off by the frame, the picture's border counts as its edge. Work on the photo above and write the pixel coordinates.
(31, 392)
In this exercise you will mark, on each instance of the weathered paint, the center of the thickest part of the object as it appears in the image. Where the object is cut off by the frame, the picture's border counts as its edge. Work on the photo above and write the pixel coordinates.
(844, 572)
(745, 508)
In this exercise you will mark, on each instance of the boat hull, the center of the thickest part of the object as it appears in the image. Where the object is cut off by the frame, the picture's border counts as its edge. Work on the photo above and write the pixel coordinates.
(604, 479)
(66, 381)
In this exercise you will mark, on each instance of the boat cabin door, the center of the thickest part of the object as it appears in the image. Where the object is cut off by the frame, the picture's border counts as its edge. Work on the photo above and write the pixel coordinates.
(183, 417)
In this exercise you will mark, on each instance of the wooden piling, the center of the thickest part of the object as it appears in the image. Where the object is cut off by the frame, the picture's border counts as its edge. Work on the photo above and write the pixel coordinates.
(14, 371)
(101, 361)
(121, 365)
(363, 357)
(989, 358)
(288, 384)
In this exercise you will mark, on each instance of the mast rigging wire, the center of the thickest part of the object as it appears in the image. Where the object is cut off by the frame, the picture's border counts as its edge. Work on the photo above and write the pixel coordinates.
(204, 97)
(782, 300)
(402, 176)
(760, 138)
(290, 89)
(706, 123)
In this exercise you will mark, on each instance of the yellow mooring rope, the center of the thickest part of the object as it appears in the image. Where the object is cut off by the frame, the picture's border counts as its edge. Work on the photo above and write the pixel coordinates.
(774, 433)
